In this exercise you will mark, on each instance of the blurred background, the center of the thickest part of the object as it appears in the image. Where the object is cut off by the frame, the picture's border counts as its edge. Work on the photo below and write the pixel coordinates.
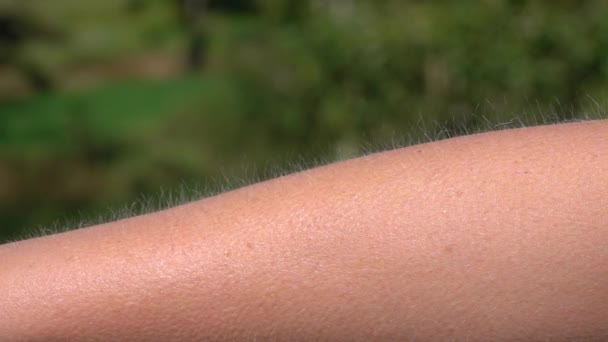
(103, 102)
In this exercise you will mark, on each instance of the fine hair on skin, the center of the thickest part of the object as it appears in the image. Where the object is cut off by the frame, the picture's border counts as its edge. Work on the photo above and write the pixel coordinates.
(422, 131)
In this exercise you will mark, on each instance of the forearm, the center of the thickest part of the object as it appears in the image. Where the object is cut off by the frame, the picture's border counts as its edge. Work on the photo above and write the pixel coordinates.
(495, 236)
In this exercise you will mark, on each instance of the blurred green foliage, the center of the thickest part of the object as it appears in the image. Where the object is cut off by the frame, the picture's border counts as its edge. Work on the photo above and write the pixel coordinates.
(103, 101)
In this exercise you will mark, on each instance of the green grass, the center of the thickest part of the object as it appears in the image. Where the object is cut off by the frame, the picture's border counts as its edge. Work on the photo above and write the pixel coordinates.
(113, 109)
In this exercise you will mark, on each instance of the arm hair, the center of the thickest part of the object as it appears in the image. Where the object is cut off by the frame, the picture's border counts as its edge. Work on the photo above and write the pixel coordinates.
(421, 133)
(497, 236)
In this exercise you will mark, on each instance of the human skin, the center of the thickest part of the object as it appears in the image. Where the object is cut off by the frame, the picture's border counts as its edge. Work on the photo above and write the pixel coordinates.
(496, 236)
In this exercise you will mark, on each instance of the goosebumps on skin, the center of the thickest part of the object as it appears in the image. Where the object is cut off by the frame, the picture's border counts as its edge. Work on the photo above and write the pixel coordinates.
(496, 236)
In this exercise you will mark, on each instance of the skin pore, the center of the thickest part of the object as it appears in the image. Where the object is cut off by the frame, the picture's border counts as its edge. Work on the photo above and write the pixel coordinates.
(496, 236)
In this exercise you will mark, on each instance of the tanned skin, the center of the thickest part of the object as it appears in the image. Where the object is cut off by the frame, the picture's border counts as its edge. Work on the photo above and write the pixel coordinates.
(496, 236)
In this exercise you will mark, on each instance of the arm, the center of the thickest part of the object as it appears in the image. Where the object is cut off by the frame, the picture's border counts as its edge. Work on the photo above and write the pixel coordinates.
(493, 236)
